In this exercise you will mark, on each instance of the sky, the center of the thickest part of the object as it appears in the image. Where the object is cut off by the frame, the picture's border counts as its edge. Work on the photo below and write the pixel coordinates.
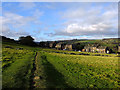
(49, 21)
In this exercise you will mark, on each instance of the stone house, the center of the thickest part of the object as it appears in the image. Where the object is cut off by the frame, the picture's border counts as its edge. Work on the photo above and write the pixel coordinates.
(52, 44)
(96, 48)
(69, 47)
(86, 49)
(118, 49)
(60, 46)
(90, 49)
(93, 49)
(102, 49)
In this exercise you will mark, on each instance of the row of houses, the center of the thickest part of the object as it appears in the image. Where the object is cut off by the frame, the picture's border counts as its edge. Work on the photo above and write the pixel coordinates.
(63, 46)
(95, 48)
(57, 45)
(99, 49)
(88, 48)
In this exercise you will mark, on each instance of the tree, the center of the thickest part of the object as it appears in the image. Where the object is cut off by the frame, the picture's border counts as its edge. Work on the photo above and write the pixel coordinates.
(28, 40)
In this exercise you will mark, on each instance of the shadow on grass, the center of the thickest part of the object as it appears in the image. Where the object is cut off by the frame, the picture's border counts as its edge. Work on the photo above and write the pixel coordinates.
(54, 78)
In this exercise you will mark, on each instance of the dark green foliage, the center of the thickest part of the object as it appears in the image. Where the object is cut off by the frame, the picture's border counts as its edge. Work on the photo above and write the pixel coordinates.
(28, 40)
(5, 39)
(79, 46)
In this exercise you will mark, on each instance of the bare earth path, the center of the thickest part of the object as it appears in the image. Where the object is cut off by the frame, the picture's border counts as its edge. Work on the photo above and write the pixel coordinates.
(39, 76)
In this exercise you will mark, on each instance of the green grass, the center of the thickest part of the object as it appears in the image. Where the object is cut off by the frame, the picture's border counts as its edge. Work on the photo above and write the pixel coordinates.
(86, 71)
(39, 72)
(49, 76)
(15, 45)
(57, 70)
(17, 65)
(18, 73)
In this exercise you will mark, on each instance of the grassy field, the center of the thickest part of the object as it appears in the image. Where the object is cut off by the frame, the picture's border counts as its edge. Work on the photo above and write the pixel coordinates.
(86, 71)
(33, 67)
(47, 76)
(17, 65)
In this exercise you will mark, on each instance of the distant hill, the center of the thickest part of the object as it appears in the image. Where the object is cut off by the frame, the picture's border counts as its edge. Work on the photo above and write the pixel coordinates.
(112, 43)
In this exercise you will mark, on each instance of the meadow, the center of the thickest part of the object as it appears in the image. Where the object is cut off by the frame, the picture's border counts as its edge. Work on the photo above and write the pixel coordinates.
(17, 65)
(79, 71)
(34, 67)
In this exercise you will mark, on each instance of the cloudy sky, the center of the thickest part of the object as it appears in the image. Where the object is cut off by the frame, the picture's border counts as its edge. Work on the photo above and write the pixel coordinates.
(56, 21)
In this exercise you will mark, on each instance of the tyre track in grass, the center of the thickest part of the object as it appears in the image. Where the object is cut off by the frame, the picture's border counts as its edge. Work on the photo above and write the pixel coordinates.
(54, 78)
(45, 75)
(39, 75)
(33, 73)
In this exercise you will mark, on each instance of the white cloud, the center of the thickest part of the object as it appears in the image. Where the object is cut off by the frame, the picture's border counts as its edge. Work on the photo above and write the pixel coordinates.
(99, 21)
(15, 25)
(6, 31)
(95, 29)
(16, 20)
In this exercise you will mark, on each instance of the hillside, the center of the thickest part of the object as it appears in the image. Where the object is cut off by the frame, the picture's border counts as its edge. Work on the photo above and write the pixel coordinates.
(111, 43)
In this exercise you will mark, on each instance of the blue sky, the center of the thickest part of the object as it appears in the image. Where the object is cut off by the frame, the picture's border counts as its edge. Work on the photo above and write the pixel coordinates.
(57, 21)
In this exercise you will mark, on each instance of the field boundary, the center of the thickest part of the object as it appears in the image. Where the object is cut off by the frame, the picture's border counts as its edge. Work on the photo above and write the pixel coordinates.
(86, 54)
